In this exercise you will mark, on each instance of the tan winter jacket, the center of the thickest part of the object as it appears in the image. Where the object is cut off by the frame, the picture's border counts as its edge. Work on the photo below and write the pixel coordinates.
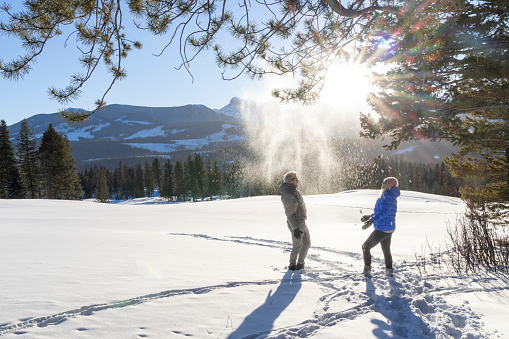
(295, 208)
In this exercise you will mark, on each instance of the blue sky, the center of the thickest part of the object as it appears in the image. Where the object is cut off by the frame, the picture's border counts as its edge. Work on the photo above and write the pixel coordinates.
(152, 81)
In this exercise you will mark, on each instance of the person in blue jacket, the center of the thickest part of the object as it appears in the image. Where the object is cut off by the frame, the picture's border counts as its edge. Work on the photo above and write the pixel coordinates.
(384, 221)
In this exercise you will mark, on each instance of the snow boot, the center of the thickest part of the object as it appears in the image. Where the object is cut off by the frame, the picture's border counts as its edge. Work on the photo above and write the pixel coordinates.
(292, 267)
(389, 272)
(300, 265)
(367, 271)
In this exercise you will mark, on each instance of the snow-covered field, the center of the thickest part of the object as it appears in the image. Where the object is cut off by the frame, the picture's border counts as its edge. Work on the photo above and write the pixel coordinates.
(145, 268)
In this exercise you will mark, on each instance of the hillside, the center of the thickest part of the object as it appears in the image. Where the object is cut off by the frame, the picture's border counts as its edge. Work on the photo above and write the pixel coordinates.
(133, 133)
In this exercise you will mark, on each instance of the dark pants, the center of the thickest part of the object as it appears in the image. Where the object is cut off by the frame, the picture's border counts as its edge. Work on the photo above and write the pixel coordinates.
(382, 238)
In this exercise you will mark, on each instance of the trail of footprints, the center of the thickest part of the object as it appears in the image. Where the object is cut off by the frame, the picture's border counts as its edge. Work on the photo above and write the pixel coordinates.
(401, 303)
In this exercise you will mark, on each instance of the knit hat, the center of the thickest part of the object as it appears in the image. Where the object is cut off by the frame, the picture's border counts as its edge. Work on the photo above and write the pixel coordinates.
(393, 181)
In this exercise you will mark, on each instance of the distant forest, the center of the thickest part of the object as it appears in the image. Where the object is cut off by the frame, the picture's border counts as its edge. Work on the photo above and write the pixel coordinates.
(195, 180)
(49, 172)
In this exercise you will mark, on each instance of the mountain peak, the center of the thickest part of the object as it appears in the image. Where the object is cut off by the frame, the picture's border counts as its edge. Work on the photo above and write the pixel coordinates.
(233, 109)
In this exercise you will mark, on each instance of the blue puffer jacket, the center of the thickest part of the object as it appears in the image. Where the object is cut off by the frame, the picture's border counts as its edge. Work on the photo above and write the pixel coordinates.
(384, 216)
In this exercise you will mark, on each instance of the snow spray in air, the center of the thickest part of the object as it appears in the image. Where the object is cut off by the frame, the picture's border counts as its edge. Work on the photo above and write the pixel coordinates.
(284, 138)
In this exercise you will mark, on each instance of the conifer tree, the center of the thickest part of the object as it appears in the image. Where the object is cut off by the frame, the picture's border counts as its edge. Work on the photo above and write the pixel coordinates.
(180, 186)
(10, 180)
(156, 173)
(118, 179)
(128, 182)
(85, 180)
(208, 179)
(199, 175)
(450, 81)
(214, 180)
(188, 177)
(27, 159)
(59, 170)
(218, 179)
(138, 188)
(101, 190)
(168, 182)
(148, 179)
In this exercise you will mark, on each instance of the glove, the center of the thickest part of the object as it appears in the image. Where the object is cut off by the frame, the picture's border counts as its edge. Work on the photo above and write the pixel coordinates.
(366, 217)
(367, 224)
(297, 233)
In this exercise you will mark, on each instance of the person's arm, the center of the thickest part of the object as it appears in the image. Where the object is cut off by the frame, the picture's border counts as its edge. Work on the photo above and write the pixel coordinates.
(385, 206)
(290, 204)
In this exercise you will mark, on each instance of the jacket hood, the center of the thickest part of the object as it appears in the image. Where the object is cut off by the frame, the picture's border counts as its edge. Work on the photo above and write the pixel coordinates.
(394, 191)
(286, 187)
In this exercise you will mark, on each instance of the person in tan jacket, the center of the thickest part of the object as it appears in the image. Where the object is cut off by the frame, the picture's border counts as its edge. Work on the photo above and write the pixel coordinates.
(295, 210)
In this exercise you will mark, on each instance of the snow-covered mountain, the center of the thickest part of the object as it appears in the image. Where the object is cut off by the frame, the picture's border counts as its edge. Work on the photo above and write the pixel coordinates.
(124, 122)
(120, 132)
(130, 133)
(233, 109)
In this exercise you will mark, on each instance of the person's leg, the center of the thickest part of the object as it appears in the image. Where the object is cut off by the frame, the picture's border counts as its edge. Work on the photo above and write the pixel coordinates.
(370, 242)
(374, 239)
(386, 249)
(306, 244)
(297, 245)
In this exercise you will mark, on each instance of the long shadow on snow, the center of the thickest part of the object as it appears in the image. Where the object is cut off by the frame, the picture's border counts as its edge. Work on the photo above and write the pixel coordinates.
(261, 321)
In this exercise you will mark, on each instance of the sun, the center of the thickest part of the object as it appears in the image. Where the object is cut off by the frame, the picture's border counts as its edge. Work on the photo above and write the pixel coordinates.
(346, 84)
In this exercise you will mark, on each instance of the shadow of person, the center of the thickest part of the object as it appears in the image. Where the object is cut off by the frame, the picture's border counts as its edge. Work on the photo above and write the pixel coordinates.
(401, 320)
(261, 320)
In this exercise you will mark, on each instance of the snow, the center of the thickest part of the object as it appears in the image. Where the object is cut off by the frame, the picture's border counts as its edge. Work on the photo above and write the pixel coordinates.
(76, 134)
(123, 119)
(189, 144)
(153, 132)
(216, 269)
(175, 131)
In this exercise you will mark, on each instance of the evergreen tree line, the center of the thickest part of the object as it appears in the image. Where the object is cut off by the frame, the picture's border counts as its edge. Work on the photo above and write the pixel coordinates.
(193, 179)
(181, 181)
(425, 178)
(48, 171)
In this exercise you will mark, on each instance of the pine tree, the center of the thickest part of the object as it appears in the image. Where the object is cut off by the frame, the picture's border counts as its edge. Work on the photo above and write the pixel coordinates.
(209, 179)
(450, 81)
(118, 179)
(215, 180)
(10, 180)
(138, 188)
(27, 159)
(188, 177)
(128, 182)
(180, 187)
(168, 182)
(157, 174)
(85, 180)
(59, 170)
(199, 175)
(148, 179)
(101, 190)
